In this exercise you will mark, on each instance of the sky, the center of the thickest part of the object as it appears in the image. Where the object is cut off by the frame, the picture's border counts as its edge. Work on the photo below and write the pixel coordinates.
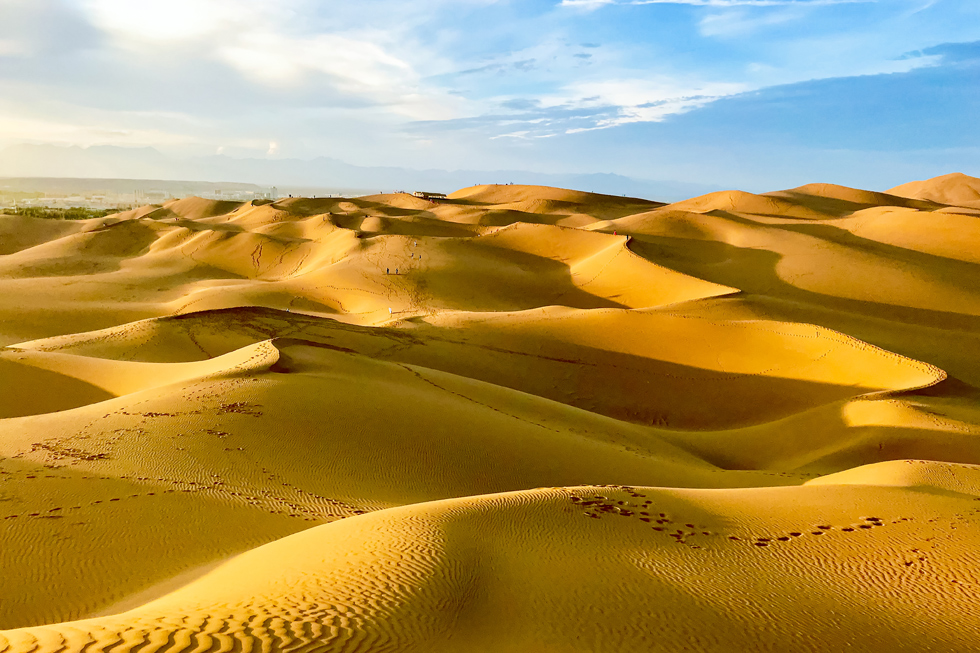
(751, 94)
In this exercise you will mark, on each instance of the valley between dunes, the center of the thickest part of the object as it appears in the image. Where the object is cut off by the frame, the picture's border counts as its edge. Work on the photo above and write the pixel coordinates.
(519, 419)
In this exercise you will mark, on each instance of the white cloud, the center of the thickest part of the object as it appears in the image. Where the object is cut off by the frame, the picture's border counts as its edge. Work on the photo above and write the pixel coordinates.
(150, 22)
(18, 128)
(279, 59)
(641, 100)
(274, 43)
(175, 20)
(13, 48)
(258, 38)
(518, 134)
(920, 8)
(602, 104)
(587, 4)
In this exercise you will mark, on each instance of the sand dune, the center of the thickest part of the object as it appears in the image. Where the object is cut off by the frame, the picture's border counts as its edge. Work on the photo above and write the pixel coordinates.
(832, 199)
(597, 568)
(519, 419)
(956, 189)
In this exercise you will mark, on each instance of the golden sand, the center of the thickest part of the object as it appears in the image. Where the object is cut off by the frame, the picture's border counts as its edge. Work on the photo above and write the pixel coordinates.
(522, 419)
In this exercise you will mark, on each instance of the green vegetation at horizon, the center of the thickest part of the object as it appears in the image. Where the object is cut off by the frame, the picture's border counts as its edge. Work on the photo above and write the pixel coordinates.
(50, 213)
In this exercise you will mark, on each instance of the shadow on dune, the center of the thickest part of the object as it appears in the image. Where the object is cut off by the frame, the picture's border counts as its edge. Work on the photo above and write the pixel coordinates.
(753, 270)
(949, 270)
(865, 445)
(99, 250)
(825, 440)
(29, 390)
(618, 385)
(948, 339)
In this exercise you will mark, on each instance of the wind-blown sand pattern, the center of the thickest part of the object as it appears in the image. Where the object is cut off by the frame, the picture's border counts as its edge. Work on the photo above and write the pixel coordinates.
(523, 419)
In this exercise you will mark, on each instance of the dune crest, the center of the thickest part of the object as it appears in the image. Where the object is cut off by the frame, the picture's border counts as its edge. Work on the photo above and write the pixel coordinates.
(955, 189)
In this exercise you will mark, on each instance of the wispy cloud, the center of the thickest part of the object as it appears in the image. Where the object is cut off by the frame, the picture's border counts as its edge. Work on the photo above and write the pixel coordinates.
(639, 100)
(948, 53)
(740, 22)
(588, 4)
(264, 41)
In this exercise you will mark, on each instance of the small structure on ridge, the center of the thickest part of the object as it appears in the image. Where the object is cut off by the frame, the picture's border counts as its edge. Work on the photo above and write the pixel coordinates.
(429, 196)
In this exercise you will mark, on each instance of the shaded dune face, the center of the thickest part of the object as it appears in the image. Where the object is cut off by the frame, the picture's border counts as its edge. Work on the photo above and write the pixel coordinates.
(518, 419)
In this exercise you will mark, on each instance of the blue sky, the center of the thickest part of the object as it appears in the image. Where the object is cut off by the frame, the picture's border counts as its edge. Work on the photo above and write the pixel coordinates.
(754, 94)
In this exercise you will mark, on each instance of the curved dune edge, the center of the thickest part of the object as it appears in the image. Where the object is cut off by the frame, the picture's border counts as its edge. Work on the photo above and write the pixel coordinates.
(610, 270)
(449, 569)
(125, 377)
(312, 393)
(27, 390)
(925, 475)
(778, 360)
(957, 189)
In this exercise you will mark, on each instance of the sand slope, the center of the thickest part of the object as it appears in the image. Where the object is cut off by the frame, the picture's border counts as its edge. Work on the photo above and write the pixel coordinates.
(521, 418)
(956, 189)
(612, 568)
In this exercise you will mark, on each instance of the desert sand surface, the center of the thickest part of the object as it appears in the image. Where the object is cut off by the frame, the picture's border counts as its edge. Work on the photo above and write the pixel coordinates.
(518, 419)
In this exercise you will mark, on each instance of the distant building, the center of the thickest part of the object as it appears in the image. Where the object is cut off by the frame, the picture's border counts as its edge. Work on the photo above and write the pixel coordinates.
(429, 196)
(152, 196)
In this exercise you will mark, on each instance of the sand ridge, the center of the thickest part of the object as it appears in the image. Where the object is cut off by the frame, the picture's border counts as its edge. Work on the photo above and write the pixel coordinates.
(521, 418)
(955, 189)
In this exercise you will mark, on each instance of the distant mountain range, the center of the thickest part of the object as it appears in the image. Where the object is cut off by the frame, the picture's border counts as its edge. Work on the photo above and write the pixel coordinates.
(111, 162)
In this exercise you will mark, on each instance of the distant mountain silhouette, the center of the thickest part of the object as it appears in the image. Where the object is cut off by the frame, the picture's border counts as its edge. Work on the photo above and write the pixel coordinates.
(111, 162)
